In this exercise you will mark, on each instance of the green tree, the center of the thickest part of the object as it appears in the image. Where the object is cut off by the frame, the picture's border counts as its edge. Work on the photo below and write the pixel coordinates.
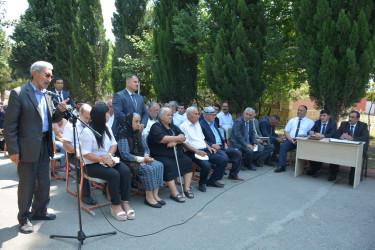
(34, 37)
(66, 48)
(174, 68)
(126, 22)
(336, 41)
(234, 63)
(92, 51)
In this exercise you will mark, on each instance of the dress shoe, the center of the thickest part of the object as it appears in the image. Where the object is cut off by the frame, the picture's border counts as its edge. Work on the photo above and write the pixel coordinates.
(220, 182)
(237, 178)
(316, 174)
(252, 168)
(202, 187)
(157, 205)
(332, 178)
(47, 216)
(215, 184)
(260, 164)
(88, 200)
(162, 202)
(27, 227)
(280, 169)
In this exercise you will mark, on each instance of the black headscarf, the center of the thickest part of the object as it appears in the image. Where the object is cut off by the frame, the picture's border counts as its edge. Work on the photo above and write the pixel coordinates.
(125, 130)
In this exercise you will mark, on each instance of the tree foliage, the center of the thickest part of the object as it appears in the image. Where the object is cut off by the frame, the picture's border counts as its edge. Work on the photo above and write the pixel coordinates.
(234, 64)
(175, 67)
(336, 41)
(126, 22)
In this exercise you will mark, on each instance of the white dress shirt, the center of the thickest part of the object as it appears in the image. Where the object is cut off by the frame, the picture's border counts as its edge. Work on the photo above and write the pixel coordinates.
(194, 134)
(178, 119)
(225, 120)
(305, 126)
(146, 130)
(89, 144)
(110, 120)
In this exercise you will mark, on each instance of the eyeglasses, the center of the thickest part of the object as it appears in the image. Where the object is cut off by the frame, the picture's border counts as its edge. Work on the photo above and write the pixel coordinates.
(48, 75)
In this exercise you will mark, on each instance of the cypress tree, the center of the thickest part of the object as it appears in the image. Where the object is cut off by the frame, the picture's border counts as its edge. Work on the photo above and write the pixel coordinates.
(234, 65)
(127, 21)
(174, 70)
(92, 50)
(66, 21)
(34, 37)
(336, 41)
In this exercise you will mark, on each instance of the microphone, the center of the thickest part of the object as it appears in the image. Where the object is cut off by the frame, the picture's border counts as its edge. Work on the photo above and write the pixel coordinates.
(52, 94)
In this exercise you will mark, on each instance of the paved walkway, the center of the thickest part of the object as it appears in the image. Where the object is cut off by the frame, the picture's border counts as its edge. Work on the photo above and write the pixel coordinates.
(267, 211)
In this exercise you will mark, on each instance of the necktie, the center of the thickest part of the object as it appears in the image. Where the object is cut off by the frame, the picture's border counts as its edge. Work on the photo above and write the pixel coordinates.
(351, 130)
(324, 129)
(133, 100)
(299, 123)
(61, 99)
(247, 132)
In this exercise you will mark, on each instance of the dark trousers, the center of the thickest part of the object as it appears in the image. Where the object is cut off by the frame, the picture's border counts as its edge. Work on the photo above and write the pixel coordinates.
(118, 179)
(235, 156)
(276, 149)
(315, 166)
(34, 185)
(86, 185)
(284, 149)
(248, 154)
(263, 153)
(219, 160)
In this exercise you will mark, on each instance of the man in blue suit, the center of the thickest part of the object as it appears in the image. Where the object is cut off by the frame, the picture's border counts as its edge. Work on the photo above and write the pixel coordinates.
(127, 101)
(59, 85)
(214, 139)
(323, 128)
(267, 128)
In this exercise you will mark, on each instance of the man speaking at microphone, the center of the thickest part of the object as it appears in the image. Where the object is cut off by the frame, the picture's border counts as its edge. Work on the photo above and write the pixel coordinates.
(28, 135)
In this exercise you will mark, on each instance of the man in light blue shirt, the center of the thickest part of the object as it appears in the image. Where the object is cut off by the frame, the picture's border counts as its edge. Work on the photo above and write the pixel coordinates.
(225, 118)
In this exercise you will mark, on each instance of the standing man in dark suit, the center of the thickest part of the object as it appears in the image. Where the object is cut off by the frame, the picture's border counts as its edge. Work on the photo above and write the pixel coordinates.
(28, 134)
(59, 85)
(353, 130)
(243, 138)
(214, 139)
(267, 128)
(127, 101)
(323, 128)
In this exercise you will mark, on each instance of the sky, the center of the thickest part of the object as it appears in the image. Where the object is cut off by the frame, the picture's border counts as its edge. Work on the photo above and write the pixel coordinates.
(15, 8)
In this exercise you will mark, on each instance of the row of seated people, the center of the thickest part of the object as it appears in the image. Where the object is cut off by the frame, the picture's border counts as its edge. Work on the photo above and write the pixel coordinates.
(325, 127)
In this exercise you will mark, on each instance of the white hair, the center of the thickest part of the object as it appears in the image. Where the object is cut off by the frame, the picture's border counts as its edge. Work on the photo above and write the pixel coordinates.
(39, 66)
(190, 109)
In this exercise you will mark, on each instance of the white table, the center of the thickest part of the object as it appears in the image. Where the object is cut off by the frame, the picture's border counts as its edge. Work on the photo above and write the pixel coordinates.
(329, 152)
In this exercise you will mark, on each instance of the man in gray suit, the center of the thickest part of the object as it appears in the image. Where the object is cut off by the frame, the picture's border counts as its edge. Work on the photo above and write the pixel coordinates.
(127, 101)
(28, 135)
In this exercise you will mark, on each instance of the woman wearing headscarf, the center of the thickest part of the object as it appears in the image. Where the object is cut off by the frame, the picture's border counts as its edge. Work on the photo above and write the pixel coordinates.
(97, 152)
(134, 151)
(163, 137)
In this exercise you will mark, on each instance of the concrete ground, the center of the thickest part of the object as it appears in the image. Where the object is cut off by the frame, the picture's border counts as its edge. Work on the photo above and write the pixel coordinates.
(267, 211)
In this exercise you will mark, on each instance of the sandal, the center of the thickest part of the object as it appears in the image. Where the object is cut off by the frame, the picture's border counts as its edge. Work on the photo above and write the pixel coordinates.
(178, 198)
(189, 194)
(119, 216)
(131, 214)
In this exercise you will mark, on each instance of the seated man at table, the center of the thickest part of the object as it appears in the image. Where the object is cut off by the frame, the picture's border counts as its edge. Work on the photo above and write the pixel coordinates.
(323, 128)
(214, 139)
(267, 128)
(243, 138)
(353, 130)
(195, 144)
(297, 126)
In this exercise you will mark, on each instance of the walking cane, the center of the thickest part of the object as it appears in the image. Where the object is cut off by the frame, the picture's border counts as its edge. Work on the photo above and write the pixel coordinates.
(178, 168)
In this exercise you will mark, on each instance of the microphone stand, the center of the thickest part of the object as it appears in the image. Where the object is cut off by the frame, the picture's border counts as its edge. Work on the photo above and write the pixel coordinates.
(80, 235)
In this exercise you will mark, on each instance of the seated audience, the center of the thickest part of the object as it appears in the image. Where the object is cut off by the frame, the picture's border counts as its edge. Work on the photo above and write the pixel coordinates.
(214, 139)
(58, 129)
(263, 146)
(153, 110)
(133, 150)
(297, 126)
(267, 128)
(195, 144)
(243, 138)
(68, 144)
(162, 139)
(225, 118)
(97, 152)
(323, 128)
(352, 130)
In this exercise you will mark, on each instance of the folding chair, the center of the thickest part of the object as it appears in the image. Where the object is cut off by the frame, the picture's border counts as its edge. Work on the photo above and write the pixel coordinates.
(57, 156)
